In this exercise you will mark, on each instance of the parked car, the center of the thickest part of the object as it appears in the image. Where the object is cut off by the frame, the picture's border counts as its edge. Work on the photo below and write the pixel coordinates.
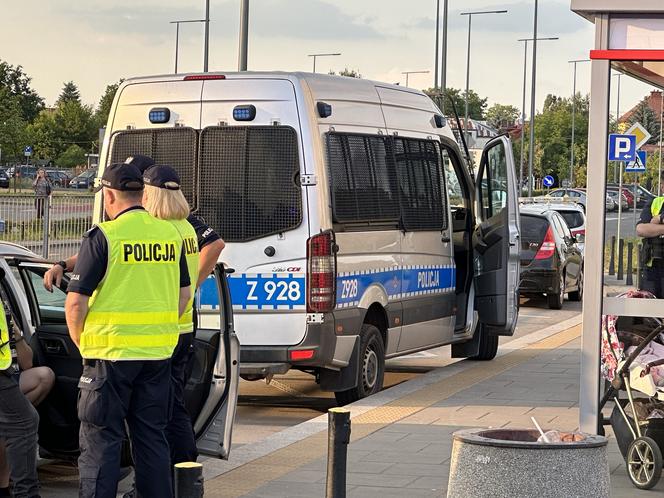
(4, 179)
(628, 193)
(569, 210)
(551, 260)
(643, 196)
(57, 178)
(614, 195)
(575, 194)
(84, 180)
(211, 392)
(23, 171)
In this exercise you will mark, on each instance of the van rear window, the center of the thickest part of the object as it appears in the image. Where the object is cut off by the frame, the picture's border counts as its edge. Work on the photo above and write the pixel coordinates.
(176, 147)
(251, 186)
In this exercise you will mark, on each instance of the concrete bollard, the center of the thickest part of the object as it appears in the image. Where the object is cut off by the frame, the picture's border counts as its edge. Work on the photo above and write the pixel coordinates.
(188, 480)
(612, 258)
(621, 253)
(338, 437)
(630, 277)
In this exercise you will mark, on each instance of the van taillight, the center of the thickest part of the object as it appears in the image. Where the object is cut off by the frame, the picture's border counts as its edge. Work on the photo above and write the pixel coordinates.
(204, 77)
(321, 273)
(548, 246)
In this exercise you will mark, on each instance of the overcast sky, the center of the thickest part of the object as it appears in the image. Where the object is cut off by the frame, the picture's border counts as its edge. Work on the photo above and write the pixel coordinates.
(97, 42)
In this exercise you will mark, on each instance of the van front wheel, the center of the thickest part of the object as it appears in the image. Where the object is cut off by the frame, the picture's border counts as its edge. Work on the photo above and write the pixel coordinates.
(488, 344)
(371, 369)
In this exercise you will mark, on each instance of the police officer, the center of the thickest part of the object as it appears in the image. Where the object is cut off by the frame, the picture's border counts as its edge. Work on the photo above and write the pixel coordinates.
(128, 290)
(18, 418)
(651, 227)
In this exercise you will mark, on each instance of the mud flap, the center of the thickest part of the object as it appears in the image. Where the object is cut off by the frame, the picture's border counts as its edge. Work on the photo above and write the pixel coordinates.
(345, 378)
(467, 349)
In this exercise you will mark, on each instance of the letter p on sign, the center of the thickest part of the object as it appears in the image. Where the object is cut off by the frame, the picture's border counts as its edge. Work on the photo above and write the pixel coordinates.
(622, 147)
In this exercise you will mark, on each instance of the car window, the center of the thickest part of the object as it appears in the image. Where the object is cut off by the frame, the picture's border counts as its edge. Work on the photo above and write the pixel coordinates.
(574, 193)
(574, 219)
(51, 305)
(455, 193)
(561, 226)
(494, 181)
(557, 193)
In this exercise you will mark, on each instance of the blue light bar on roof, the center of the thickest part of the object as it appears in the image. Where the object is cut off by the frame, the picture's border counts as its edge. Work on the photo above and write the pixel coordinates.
(159, 115)
(244, 113)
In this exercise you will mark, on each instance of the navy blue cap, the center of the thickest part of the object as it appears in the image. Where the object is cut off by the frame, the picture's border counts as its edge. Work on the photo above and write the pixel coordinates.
(140, 161)
(120, 176)
(162, 176)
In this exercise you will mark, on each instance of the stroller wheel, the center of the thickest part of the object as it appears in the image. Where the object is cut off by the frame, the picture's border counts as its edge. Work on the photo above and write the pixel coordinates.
(644, 462)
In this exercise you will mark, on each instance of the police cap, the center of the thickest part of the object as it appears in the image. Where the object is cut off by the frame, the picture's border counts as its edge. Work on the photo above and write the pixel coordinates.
(120, 176)
(140, 161)
(162, 176)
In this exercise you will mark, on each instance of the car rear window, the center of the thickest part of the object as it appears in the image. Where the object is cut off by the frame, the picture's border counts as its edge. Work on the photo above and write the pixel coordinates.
(574, 219)
(533, 230)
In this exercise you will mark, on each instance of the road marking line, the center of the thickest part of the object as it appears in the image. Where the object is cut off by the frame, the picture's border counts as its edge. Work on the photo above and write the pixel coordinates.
(269, 467)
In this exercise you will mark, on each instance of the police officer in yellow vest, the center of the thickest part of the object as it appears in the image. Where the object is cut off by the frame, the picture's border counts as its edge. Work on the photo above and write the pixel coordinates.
(651, 227)
(18, 418)
(127, 292)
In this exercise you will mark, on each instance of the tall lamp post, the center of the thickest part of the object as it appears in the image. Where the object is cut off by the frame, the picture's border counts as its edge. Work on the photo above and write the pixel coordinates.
(206, 49)
(443, 49)
(322, 55)
(436, 60)
(244, 35)
(523, 104)
(408, 73)
(531, 145)
(571, 154)
(470, 19)
(177, 36)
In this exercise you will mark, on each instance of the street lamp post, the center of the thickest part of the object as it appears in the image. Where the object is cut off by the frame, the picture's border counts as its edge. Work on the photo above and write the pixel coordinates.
(470, 18)
(435, 76)
(206, 49)
(244, 35)
(322, 55)
(407, 73)
(523, 104)
(177, 36)
(531, 145)
(571, 154)
(443, 48)
(661, 123)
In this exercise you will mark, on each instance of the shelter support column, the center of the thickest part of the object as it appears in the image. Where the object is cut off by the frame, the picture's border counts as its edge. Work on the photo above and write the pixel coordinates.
(592, 303)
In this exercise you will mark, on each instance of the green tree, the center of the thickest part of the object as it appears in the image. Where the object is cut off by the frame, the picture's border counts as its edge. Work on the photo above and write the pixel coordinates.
(476, 104)
(647, 117)
(351, 73)
(72, 157)
(502, 116)
(105, 103)
(17, 84)
(69, 93)
(12, 126)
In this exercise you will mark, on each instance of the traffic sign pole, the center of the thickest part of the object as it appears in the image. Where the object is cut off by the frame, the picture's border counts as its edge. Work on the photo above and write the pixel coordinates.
(620, 194)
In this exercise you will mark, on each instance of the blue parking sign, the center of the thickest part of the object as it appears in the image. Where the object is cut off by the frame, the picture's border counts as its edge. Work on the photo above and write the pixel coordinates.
(622, 147)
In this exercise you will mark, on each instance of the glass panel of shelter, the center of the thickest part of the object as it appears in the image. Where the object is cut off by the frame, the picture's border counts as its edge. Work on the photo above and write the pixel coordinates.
(633, 256)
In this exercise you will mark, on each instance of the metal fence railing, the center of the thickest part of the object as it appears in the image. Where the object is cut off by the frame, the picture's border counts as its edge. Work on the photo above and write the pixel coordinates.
(49, 226)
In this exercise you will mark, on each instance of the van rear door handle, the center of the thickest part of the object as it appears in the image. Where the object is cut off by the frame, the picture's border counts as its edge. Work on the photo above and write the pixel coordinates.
(445, 238)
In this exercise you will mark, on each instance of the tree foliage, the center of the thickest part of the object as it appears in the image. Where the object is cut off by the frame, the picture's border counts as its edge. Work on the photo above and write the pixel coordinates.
(17, 84)
(69, 93)
(502, 117)
(12, 126)
(476, 104)
(72, 157)
(351, 73)
(647, 117)
(105, 103)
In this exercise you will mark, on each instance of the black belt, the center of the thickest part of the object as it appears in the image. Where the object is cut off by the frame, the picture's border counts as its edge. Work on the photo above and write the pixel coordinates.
(89, 363)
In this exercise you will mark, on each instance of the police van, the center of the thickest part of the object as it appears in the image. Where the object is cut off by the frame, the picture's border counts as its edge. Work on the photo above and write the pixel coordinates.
(355, 231)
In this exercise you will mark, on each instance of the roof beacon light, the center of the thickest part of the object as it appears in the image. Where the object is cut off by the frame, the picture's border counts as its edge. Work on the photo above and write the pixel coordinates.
(159, 115)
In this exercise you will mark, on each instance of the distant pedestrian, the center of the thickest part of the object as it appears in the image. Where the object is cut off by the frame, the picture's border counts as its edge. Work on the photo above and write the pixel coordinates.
(42, 188)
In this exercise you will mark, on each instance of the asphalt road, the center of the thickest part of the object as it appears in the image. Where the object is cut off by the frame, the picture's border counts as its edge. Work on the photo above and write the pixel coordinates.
(628, 221)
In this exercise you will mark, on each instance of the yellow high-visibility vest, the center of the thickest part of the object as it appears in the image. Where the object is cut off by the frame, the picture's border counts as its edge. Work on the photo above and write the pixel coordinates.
(192, 255)
(5, 348)
(133, 314)
(656, 206)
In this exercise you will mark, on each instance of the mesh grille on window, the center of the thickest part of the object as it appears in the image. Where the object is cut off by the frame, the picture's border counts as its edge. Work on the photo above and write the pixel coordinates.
(421, 187)
(176, 147)
(251, 186)
(362, 183)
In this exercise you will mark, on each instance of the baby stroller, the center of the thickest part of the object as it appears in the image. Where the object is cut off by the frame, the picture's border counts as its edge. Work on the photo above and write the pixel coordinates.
(633, 360)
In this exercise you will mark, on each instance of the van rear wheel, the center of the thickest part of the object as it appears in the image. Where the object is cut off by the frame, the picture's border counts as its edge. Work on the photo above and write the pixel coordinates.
(488, 344)
(372, 367)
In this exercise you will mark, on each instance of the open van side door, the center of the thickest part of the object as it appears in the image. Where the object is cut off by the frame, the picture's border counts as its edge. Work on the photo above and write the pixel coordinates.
(496, 238)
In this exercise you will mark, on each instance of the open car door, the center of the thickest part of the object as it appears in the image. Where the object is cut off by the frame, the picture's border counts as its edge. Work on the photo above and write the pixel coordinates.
(496, 239)
(211, 391)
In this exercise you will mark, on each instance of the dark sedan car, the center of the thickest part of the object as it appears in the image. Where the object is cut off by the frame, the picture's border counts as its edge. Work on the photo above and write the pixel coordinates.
(84, 180)
(4, 179)
(551, 261)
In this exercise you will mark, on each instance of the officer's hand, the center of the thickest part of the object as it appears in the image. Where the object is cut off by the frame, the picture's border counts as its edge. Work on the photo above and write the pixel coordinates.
(655, 220)
(53, 276)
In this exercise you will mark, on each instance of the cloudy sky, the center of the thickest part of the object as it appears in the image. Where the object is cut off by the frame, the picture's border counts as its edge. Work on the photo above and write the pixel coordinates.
(97, 42)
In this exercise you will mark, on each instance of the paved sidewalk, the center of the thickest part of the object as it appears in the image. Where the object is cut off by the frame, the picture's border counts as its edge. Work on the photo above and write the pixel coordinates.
(403, 448)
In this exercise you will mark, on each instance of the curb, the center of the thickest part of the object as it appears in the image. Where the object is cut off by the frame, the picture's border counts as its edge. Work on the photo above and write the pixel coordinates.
(213, 468)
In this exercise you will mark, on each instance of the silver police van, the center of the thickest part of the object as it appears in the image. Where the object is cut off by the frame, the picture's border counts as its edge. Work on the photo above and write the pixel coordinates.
(354, 229)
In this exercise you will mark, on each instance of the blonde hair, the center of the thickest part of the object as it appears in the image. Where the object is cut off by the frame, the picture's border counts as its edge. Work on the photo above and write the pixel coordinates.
(165, 204)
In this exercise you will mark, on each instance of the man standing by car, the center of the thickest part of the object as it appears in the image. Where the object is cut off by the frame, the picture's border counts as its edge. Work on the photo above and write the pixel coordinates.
(18, 418)
(122, 311)
(651, 227)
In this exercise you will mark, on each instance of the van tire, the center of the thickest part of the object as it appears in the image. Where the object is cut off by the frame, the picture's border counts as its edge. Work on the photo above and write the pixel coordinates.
(488, 347)
(371, 369)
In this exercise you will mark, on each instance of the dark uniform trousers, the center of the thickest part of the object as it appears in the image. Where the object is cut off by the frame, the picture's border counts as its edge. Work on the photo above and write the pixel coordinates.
(112, 392)
(652, 279)
(18, 427)
(179, 431)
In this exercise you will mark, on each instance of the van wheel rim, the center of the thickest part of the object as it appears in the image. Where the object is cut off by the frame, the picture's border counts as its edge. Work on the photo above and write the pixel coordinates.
(562, 289)
(370, 369)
